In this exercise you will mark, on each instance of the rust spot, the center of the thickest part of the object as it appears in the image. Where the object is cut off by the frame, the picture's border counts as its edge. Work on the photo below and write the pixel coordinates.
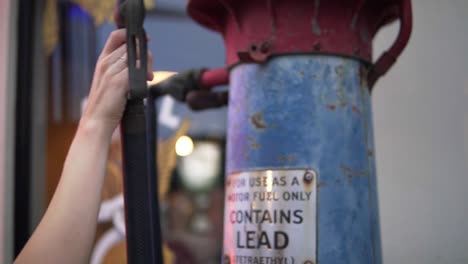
(331, 107)
(287, 158)
(255, 146)
(338, 180)
(314, 76)
(322, 184)
(370, 153)
(339, 70)
(258, 121)
(343, 104)
(309, 262)
(301, 73)
(351, 173)
(355, 109)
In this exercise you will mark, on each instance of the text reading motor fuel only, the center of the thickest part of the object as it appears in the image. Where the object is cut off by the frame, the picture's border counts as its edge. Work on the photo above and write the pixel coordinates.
(269, 196)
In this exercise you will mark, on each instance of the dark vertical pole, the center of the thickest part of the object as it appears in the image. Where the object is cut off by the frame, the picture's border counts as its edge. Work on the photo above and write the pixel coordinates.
(137, 184)
(152, 132)
(143, 231)
(23, 124)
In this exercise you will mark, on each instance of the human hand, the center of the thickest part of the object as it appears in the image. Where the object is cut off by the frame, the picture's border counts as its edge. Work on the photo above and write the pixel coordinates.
(108, 94)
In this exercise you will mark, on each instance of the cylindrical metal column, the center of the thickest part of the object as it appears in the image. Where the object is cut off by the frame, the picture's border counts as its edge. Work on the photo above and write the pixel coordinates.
(301, 185)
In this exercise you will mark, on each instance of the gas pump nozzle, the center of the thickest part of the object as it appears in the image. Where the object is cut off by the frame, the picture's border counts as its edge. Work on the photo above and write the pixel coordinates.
(193, 86)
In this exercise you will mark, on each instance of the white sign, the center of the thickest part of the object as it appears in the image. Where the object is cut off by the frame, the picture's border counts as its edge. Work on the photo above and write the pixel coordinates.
(270, 217)
(166, 115)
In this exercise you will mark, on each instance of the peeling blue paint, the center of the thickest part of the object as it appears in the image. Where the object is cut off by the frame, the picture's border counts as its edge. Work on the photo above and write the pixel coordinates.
(312, 111)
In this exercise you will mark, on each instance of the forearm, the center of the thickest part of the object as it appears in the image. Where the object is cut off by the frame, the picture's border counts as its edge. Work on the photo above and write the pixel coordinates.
(70, 221)
(66, 232)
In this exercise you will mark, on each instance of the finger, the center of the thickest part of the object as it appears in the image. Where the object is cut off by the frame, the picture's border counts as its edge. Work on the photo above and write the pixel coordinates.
(116, 61)
(117, 67)
(120, 52)
(121, 80)
(150, 75)
(115, 40)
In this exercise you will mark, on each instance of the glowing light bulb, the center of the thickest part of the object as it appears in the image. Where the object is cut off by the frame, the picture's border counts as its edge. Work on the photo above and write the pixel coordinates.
(184, 146)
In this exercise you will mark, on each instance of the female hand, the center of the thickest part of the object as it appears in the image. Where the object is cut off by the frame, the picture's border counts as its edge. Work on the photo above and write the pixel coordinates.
(108, 94)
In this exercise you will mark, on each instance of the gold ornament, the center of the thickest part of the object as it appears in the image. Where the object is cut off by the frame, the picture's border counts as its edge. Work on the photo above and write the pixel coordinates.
(50, 26)
(101, 11)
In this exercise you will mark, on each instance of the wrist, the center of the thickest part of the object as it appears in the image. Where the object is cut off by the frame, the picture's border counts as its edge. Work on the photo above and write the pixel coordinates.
(97, 128)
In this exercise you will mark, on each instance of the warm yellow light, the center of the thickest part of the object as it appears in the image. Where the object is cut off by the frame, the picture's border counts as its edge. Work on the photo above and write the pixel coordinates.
(184, 146)
(160, 76)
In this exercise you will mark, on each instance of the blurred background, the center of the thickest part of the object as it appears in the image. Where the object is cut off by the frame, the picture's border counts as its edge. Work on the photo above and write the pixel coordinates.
(48, 50)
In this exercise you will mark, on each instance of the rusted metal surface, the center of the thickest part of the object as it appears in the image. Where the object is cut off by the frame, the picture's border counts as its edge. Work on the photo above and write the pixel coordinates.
(312, 111)
(258, 121)
(299, 98)
(255, 30)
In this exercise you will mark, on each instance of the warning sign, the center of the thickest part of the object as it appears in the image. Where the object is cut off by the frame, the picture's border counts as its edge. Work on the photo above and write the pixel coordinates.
(270, 217)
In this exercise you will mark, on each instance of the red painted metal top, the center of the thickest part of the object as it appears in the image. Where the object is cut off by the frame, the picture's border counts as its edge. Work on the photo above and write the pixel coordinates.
(253, 30)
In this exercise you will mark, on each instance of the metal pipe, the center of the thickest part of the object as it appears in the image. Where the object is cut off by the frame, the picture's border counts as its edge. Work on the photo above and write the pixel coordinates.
(300, 151)
(214, 77)
(389, 57)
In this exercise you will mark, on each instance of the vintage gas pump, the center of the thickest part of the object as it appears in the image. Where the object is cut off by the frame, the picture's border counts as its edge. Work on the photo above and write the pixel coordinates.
(301, 183)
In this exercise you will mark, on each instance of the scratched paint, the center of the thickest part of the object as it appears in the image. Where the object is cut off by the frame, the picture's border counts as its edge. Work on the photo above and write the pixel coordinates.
(312, 111)
(315, 24)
